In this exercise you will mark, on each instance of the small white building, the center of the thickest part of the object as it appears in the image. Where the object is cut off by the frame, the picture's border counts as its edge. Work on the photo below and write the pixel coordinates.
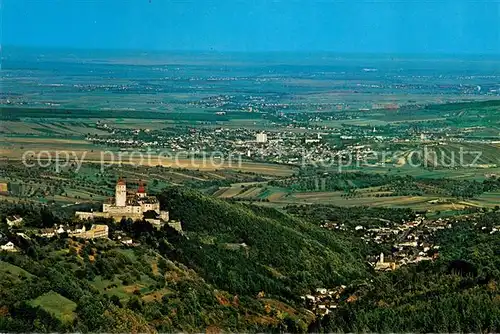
(127, 241)
(14, 220)
(8, 247)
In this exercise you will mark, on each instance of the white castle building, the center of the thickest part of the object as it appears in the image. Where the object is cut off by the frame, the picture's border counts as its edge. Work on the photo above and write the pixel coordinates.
(125, 205)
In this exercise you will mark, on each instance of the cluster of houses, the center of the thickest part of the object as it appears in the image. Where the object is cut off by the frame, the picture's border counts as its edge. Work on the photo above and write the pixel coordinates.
(281, 146)
(96, 231)
(79, 231)
(323, 300)
(412, 243)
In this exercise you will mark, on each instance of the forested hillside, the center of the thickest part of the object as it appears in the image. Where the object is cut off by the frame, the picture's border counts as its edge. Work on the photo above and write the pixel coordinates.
(279, 254)
(240, 267)
(235, 268)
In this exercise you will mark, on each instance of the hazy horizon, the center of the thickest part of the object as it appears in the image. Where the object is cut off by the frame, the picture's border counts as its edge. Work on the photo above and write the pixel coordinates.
(354, 27)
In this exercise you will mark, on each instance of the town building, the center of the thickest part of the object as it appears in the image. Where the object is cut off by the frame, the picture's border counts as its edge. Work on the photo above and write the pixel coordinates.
(96, 231)
(381, 265)
(261, 137)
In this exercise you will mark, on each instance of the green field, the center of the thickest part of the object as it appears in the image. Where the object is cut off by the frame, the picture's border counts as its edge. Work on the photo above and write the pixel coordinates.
(7, 267)
(61, 307)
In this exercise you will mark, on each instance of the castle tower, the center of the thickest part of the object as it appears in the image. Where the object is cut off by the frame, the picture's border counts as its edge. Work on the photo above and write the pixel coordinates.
(141, 190)
(121, 193)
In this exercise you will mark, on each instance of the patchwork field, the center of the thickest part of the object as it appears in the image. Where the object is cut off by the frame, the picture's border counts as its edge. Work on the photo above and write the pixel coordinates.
(81, 151)
(280, 197)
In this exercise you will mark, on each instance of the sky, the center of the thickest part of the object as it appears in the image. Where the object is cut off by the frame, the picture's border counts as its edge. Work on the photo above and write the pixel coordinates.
(353, 26)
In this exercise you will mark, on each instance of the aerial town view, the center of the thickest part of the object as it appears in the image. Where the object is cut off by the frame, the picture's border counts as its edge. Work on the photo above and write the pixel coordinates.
(249, 166)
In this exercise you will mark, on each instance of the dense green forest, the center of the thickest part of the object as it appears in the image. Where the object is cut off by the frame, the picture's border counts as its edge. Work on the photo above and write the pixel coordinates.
(241, 267)
(282, 255)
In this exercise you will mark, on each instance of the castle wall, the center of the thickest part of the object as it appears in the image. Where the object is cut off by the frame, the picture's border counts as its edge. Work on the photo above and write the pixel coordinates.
(91, 215)
(138, 204)
(164, 215)
(150, 206)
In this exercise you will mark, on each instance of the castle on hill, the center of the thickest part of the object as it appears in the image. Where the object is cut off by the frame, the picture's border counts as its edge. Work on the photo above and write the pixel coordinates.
(135, 206)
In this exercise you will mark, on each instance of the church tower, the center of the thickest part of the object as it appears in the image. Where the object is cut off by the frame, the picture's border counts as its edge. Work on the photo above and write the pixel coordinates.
(121, 193)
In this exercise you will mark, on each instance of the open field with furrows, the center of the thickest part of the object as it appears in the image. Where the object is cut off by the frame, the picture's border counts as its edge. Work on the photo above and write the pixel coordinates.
(426, 202)
(81, 127)
(464, 155)
(229, 192)
(251, 193)
(45, 141)
(356, 122)
(82, 151)
(91, 184)
(433, 155)
(489, 199)
(54, 128)
(44, 191)
(430, 203)
(183, 113)
(471, 173)
(279, 197)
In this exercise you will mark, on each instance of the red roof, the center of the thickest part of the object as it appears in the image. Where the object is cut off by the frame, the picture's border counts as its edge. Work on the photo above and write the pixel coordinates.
(120, 182)
(141, 189)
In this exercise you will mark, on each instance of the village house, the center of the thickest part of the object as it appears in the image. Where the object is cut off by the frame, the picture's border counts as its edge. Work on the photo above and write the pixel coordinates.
(323, 300)
(156, 219)
(47, 232)
(96, 231)
(76, 230)
(14, 220)
(8, 247)
(127, 241)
